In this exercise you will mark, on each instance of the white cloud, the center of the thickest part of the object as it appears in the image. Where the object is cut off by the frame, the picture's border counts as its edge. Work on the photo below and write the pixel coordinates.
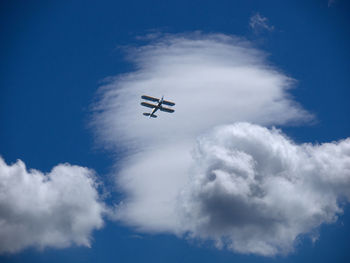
(255, 191)
(258, 23)
(214, 80)
(57, 209)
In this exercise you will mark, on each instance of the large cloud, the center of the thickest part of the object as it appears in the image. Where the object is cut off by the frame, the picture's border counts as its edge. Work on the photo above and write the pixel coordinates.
(254, 190)
(214, 79)
(57, 209)
(171, 185)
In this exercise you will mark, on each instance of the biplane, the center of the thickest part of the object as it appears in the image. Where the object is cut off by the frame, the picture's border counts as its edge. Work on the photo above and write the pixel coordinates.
(158, 106)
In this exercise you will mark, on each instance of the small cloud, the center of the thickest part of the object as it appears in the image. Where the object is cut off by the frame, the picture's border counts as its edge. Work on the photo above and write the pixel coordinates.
(58, 209)
(260, 23)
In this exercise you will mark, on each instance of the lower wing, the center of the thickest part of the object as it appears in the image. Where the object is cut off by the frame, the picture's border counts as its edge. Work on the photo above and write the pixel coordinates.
(166, 109)
(149, 105)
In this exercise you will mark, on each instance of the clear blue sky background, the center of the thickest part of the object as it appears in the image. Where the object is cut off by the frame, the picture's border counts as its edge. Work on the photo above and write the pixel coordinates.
(55, 53)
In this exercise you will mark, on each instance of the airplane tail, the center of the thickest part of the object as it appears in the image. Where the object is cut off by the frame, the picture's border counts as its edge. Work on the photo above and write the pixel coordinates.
(149, 114)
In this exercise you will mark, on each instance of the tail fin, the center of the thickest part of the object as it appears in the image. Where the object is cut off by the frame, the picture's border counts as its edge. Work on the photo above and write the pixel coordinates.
(148, 114)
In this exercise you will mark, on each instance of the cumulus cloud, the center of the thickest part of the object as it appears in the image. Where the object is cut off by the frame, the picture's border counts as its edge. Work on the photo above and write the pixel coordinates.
(57, 209)
(258, 22)
(255, 191)
(224, 186)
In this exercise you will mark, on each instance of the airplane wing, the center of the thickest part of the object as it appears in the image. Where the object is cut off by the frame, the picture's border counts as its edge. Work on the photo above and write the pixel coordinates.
(149, 98)
(166, 102)
(149, 105)
(166, 109)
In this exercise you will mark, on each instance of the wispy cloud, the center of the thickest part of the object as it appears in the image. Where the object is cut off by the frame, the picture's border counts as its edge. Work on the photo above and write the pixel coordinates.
(260, 23)
(247, 188)
(39, 210)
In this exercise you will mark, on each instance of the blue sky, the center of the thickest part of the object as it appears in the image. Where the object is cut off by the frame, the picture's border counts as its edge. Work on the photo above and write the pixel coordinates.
(56, 55)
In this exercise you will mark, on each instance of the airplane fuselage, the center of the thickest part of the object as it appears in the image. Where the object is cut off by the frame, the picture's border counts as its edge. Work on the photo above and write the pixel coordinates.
(159, 105)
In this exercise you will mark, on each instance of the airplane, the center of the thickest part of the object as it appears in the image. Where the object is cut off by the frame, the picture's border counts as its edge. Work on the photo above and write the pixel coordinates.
(158, 106)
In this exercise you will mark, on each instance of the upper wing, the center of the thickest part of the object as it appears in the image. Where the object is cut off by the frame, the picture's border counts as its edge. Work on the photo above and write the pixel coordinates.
(166, 109)
(149, 105)
(166, 102)
(149, 98)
